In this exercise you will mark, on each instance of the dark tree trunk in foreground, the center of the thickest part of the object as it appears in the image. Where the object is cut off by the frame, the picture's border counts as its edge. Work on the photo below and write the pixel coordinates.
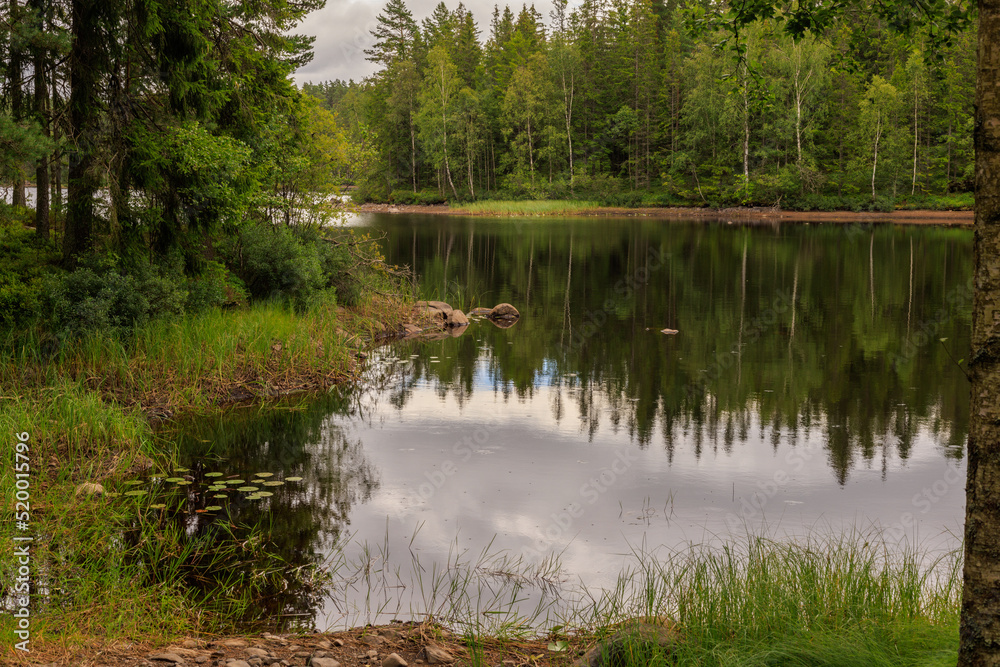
(980, 627)
(84, 59)
(41, 115)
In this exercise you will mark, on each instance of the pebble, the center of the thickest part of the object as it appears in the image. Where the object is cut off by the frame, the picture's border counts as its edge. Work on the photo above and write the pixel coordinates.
(338, 642)
(257, 653)
(372, 655)
(234, 643)
(394, 660)
(167, 657)
(189, 643)
(322, 643)
(437, 655)
(323, 662)
(237, 663)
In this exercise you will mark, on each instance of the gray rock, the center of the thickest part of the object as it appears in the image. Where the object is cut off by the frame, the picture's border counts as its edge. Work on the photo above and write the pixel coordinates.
(233, 643)
(456, 318)
(394, 660)
(201, 659)
(637, 642)
(323, 662)
(190, 643)
(372, 655)
(480, 312)
(237, 663)
(172, 658)
(436, 655)
(324, 644)
(504, 311)
(372, 640)
(338, 642)
(257, 652)
(89, 489)
(440, 306)
(391, 635)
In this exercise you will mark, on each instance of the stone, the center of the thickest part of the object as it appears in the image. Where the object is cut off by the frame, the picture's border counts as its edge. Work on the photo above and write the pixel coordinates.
(480, 312)
(372, 655)
(201, 659)
(391, 635)
(338, 642)
(436, 655)
(190, 643)
(372, 640)
(394, 660)
(324, 644)
(89, 489)
(237, 663)
(257, 652)
(172, 658)
(233, 643)
(637, 642)
(456, 318)
(323, 662)
(504, 311)
(668, 331)
(439, 306)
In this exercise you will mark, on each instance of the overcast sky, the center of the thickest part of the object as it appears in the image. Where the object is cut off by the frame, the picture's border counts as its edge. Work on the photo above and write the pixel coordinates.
(343, 32)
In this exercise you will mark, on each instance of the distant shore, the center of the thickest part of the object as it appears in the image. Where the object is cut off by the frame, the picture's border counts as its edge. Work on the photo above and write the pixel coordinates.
(763, 215)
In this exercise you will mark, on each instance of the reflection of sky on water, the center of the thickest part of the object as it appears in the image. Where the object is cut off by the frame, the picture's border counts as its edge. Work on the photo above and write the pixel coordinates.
(505, 472)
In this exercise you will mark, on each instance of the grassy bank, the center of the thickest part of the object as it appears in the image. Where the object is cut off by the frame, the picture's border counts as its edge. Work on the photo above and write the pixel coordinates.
(526, 208)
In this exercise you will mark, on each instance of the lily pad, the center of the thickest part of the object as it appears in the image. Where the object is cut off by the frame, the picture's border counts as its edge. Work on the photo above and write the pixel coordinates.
(233, 482)
(134, 482)
(112, 494)
(137, 492)
(253, 496)
(183, 482)
(293, 479)
(182, 470)
(220, 495)
(273, 482)
(263, 474)
(214, 508)
(213, 474)
(175, 480)
(263, 494)
(247, 489)
(157, 506)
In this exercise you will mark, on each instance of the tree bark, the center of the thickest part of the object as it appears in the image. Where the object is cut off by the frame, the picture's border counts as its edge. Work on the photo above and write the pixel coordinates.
(980, 625)
(41, 104)
(83, 109)
(16, 92)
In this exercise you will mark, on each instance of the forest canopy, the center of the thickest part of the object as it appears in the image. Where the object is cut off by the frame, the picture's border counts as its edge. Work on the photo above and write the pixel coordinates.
(624, 102)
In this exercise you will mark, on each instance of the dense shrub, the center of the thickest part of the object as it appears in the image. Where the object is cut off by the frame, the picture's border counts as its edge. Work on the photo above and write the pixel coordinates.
(273, 262)
(24, 260)
(215, 286)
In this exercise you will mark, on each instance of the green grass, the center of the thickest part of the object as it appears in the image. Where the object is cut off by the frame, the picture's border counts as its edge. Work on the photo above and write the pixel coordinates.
(527, 208)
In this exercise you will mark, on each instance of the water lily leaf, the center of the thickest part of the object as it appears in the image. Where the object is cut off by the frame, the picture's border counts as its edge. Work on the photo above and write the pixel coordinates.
(213, 474)
(559, 646)
(273, 482)
(133, 482)
(213, 508)
(112, 494)
(263, 494)
(220, 495)
(174, 480)
(233, 482)
(182, 470)
(157, 506)
(137, 492)
(253, 496)
(293, 479)
(247, 489)
(183, 482)
(263, 474)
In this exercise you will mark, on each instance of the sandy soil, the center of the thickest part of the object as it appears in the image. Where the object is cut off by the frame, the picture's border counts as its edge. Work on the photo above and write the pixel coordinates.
(745, 215)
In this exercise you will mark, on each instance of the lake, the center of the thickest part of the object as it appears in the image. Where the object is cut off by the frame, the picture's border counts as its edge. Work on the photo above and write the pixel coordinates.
(815, 385)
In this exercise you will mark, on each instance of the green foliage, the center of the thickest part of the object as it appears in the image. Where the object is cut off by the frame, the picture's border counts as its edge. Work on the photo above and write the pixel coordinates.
(421, 197)
(272, 262)
(24, 261)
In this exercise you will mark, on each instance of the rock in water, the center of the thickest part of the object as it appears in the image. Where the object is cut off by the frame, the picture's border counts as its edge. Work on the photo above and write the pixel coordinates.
(480, 312)
(504, 311)
(668, 331)
(440, 306)
(456, 318)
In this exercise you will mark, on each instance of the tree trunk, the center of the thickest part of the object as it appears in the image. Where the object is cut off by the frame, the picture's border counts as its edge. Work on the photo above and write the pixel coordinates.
(16, 93)
(83, 109)
(41, 103)
(913, 186)
(980, 625)
(878, 135)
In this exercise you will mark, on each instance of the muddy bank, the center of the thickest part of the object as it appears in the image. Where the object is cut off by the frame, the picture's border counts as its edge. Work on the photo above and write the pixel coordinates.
(762, 215)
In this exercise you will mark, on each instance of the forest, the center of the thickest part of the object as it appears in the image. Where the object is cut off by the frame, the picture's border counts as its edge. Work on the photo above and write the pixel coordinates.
(633, 102)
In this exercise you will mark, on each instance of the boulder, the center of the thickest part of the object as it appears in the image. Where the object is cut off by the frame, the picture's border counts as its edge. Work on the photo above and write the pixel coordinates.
(480, 312)
(435, 655)
(394, 660)
(637, 642)
(504, 311)
(456, 318)
(439, 306)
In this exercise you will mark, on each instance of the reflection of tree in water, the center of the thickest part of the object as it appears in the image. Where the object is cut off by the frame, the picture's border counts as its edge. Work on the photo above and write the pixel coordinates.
(272, 546)
(786, 333)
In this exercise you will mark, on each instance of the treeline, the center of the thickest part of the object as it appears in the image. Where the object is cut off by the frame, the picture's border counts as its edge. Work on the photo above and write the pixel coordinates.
(623, 101)
(175, 163)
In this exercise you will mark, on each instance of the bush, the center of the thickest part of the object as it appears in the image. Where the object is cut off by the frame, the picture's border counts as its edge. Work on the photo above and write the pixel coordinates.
(214, 287)
(273, 263)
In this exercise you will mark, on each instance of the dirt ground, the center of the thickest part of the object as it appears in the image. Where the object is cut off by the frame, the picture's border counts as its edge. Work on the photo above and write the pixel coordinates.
(761, 215)
(394, 645)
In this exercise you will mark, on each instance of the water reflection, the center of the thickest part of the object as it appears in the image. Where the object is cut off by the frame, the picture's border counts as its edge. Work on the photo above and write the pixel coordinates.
(814, 382)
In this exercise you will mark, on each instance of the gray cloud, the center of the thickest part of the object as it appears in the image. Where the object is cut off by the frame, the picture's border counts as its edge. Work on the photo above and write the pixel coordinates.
(343, 31)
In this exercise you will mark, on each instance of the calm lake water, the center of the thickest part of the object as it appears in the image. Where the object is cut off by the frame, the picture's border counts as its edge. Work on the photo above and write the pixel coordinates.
(814, 386)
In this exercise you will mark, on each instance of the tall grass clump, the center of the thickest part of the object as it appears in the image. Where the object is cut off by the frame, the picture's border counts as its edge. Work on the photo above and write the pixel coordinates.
(852, 599)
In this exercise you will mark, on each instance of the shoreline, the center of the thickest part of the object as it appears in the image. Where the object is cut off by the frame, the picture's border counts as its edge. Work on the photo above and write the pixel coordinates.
(751, 215)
